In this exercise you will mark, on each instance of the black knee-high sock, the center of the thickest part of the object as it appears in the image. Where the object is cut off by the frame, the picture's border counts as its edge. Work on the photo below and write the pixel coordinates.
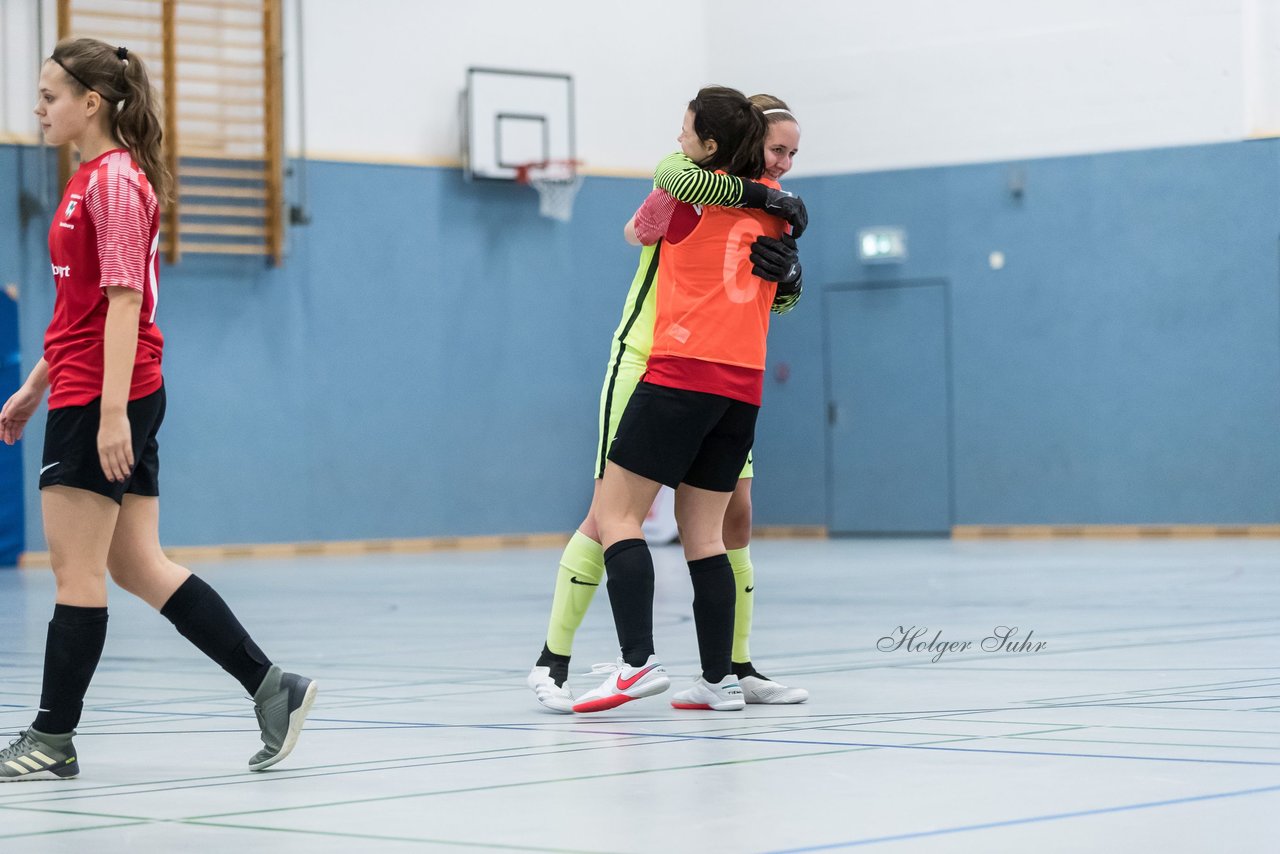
(71, 652)
(199, 614)
(714, 595)
(630, 569)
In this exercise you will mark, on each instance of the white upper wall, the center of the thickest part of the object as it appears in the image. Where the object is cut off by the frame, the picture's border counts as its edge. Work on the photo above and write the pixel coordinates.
(880, 85)
(383, 77)
(877, 85)
(19, 61)
(386, 83)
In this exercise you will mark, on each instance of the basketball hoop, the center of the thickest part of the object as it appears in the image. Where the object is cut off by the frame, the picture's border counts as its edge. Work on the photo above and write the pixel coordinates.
(557, 183)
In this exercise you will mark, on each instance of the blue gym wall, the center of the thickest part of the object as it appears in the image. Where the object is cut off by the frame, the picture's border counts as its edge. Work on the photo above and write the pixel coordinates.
(426, 363)
(15, 498)
(428, 359)
(1124, 366)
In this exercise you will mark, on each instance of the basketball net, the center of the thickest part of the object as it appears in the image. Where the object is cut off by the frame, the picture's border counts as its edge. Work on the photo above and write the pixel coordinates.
(557, 183)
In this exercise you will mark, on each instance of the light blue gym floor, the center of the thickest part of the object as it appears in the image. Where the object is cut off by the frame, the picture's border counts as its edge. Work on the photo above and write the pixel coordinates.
(1149, 721)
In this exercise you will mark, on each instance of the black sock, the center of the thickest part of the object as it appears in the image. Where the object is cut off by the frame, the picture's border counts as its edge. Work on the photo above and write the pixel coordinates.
(745, 669)
(71, 652)
(199, 614)
(714, 594)
(558, 665)
(630, 569)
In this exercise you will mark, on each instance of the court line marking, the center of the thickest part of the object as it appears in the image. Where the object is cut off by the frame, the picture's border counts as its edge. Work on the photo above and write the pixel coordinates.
(409, 795)
(9, 835)
(842, 747)
(645, 738)
(374, 837)
(137, 822)
(875, 840)
(1038, 737)
(392, 764)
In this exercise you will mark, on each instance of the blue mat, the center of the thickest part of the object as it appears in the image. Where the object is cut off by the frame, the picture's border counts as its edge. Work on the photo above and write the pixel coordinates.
(10, 457)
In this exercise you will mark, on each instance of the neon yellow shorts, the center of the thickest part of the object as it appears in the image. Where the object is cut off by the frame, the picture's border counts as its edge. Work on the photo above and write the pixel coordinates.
(626, 367)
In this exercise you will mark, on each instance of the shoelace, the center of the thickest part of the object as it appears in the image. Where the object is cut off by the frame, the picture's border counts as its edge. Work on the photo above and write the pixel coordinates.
(13, 749)
(607, 667)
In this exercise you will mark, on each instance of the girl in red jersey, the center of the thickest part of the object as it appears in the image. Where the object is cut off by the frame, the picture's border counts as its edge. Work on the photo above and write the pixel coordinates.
(99, 478)
(689, 424)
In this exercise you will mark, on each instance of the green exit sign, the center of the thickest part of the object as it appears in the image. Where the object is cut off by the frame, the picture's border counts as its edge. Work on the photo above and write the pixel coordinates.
(882, 245)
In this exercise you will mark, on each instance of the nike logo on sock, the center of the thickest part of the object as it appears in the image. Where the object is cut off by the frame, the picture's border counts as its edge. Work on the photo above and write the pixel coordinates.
(749, 589)
(573, 579)
(46, 468)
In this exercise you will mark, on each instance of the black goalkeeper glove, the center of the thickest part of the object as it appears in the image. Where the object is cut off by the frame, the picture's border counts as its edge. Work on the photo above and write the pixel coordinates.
(779, 203)
(776, 259)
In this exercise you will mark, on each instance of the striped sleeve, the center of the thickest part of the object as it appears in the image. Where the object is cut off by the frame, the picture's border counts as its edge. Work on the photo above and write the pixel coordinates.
(121, 213)
(690, 183)
(654, 217)
(784, 302)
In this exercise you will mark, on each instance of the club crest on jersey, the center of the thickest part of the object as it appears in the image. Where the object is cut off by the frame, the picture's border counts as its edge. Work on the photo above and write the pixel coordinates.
(71, 206)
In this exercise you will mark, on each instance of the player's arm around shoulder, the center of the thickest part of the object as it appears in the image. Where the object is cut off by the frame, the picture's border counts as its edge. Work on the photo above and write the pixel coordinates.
(650, 222)
(777, 259)
(688, 182)
(787, 297)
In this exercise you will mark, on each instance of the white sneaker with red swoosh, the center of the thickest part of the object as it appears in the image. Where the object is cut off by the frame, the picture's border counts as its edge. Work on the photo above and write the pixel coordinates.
(722, 696)
(625, 683)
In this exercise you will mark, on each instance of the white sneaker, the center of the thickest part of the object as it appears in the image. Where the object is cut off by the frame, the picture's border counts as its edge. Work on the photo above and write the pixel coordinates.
(625, 683)
(758, 689)
(555, 698)
(722, 696)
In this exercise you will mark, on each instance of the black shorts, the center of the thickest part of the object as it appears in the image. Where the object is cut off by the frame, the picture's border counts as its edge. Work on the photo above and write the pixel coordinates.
(676, 436)
(71, 448)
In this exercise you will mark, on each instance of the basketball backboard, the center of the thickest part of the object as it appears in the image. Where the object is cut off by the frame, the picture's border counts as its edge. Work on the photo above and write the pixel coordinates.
(515, 117)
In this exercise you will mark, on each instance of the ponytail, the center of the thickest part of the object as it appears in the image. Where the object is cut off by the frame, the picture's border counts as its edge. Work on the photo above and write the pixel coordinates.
(738, 127)
(748, 160)
(137, 125)
(133, 109)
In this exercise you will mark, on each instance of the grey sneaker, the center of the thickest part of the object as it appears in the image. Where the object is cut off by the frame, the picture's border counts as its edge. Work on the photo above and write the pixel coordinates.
(281, 704)
(39, 756)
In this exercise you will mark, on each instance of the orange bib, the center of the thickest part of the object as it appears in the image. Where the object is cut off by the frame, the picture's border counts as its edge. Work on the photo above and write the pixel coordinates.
(710, 306)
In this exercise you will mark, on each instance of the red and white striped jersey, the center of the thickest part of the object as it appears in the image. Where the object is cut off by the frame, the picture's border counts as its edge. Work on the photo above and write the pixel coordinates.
(105, 233)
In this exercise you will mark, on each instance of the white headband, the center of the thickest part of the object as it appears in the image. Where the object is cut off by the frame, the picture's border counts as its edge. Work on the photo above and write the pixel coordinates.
(779, 110)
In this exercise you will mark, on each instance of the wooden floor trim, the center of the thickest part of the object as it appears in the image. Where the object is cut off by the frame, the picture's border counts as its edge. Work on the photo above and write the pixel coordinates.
(1126, 532)
(416, 545)
(789, 532)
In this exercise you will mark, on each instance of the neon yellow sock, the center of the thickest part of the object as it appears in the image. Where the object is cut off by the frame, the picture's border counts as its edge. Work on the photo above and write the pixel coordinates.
(744, 580)
(581, 571)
